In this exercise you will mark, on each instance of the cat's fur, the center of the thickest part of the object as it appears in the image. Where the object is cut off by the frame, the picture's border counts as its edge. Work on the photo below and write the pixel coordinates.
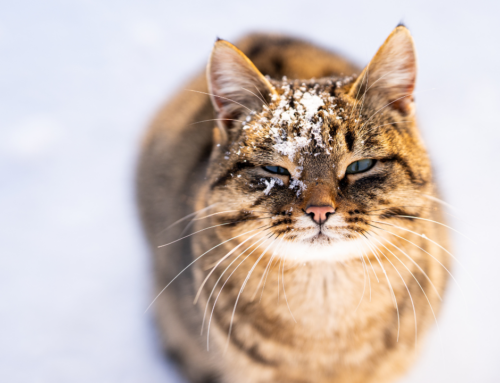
(313, 307)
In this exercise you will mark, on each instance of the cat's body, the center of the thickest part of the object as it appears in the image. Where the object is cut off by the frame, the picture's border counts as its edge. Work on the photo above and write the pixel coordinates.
(301, 316)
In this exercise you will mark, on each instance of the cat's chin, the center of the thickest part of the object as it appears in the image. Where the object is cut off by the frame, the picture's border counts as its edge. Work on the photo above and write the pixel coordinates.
(322, 247)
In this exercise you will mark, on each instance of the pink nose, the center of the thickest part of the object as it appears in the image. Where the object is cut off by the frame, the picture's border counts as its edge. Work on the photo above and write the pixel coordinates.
(319, 214)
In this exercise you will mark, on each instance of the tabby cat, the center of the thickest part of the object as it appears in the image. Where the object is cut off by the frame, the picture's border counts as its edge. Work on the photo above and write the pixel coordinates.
(298, 211)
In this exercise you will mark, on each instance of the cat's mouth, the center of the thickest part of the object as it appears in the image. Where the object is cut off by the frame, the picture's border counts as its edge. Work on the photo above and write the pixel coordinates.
(325, 244)
(323, 236)
(320, 237)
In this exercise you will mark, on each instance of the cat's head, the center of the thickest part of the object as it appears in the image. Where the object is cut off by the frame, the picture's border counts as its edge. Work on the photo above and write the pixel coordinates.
(316, 164)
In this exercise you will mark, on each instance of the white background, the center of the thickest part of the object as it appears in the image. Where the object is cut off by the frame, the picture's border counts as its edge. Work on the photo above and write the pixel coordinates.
(79, 81)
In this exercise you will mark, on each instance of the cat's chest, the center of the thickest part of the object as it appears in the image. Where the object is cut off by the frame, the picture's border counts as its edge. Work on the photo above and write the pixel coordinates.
(317, 303)
(323, 311)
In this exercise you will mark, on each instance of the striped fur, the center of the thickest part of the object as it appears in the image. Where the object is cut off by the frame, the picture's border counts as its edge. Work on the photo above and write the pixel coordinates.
(312, 309)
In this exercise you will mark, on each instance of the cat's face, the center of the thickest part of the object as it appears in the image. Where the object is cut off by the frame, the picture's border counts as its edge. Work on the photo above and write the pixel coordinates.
(316, 164)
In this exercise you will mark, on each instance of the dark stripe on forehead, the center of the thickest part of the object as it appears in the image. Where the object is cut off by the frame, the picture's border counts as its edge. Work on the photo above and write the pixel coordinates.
(333, 128)
(349, 139)
(222, 180)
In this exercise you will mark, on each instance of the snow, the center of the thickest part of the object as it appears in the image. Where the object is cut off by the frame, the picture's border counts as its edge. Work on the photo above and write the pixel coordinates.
(312, 103)
(308, 105)
(80, 80)
(270, 184)
(297, 184)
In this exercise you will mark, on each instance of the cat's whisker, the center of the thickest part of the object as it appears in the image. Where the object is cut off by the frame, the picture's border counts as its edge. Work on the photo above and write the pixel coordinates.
(284, 291)
(224, 98)
(367, 273)
(416, 280)
(222, 260)
(260, 99)
(220, 277)
(410, 258)
(265, 273)
(440, 201)
(280, 261)
(427, 238)
(224, 284)
(211, 227)
(274, 256)
(438, 223)
(276, 260)
(188, 216)
(209, 266)
(210, 215)
(432, 256)
(216, 119)
(241, 291)
(229, 211)
(376, 276)
(263, 98)
(451, 207)
(374, 251)
(188, 266)
(364, 283)
(402, 279)
(265, 270)
(196, 232)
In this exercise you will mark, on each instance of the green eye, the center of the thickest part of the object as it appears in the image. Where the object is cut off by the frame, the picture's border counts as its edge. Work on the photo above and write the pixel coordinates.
(360, 166)
(277, 170)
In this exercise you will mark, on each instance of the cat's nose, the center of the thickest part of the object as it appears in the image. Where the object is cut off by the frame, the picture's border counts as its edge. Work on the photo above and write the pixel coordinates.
(320, 214)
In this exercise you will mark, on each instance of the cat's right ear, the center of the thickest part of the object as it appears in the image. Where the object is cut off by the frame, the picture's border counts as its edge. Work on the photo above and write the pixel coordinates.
(391, 74)
(235, 85)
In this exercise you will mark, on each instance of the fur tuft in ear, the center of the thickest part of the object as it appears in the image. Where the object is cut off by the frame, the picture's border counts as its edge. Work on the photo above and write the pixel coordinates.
(235, 84)
(392, 72)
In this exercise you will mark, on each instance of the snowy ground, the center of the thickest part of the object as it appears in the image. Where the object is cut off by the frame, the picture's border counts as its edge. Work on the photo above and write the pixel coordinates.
(79, 80)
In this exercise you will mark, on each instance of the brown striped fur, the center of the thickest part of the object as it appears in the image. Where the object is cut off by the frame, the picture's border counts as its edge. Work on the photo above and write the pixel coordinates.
(312, 319)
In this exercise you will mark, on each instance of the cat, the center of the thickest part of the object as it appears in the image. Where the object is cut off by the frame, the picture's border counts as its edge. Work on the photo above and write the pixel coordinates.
(294, 202)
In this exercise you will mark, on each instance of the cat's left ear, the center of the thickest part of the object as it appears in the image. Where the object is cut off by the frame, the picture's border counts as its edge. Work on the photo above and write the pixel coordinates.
(391, 74)
(236, 86)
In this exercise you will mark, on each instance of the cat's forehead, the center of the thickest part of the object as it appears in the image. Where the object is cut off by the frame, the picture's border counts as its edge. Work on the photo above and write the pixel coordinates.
(303, 116)
(297, 104)
(303, 91)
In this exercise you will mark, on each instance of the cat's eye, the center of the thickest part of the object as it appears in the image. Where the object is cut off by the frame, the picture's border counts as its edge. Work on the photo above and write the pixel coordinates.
(277, 170)
(360, 166)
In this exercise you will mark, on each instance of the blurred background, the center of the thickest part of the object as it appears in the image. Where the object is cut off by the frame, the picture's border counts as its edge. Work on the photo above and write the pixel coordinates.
(79, 82)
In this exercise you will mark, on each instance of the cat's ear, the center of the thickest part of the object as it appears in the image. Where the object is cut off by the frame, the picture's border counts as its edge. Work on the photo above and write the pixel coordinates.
(391, 73)
(235, 85)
